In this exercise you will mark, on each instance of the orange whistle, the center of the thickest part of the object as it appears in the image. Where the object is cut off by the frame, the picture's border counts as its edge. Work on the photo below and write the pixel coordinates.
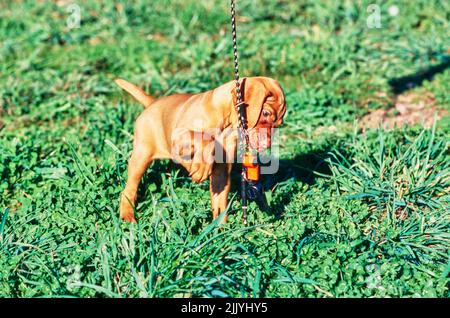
(251, 167)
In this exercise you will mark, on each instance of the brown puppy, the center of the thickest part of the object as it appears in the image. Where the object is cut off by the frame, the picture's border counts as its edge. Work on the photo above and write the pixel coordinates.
(199, 131)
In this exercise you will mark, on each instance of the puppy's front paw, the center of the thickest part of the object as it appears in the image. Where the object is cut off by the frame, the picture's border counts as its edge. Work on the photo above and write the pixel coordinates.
(200, 172)
(203, 160)
(128, 217)
(126, 211)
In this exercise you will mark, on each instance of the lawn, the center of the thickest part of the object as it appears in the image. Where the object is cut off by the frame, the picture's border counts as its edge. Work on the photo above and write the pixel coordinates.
(357, 209)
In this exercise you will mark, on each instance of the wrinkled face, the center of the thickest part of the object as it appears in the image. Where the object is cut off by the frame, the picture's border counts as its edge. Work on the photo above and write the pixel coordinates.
(265, 110)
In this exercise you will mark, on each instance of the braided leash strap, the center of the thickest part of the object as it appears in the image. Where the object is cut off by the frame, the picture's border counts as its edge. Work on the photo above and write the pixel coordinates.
(240, 100)
(244, 140)
(235, 52)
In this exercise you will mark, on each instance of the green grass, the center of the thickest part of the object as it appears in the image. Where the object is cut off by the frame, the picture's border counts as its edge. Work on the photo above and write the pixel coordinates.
(353, 214)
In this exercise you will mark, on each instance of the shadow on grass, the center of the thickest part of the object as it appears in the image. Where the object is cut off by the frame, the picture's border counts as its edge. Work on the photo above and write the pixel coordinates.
(404, 83)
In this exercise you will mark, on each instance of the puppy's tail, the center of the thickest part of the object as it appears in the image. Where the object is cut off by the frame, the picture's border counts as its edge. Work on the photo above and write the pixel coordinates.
(141, 96)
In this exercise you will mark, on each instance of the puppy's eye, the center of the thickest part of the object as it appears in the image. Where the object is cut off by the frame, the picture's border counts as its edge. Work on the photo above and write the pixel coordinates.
(266, 113)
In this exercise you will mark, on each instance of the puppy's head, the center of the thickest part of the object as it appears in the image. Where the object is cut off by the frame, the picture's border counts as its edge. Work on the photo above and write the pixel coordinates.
(265, 109)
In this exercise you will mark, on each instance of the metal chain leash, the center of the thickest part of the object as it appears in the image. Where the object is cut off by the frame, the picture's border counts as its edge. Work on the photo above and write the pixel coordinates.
(242, 122)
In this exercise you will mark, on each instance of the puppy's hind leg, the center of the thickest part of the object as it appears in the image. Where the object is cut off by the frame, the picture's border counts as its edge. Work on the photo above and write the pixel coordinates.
(141, 158)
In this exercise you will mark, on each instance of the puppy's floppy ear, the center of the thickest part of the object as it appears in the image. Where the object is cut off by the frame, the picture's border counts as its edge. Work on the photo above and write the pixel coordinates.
(255, 94)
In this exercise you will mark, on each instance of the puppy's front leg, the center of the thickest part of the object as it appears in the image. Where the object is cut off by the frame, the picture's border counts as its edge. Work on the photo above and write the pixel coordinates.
(138, 164)
(219, 186)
